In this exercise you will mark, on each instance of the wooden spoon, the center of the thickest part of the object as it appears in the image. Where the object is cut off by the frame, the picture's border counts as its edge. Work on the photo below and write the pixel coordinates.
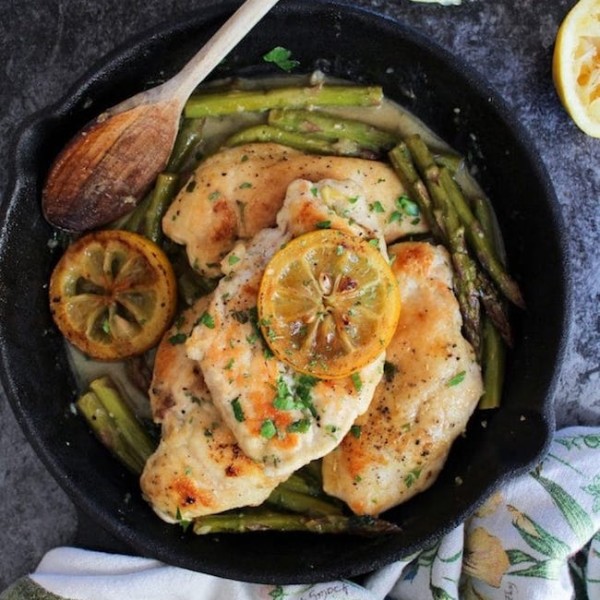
(108, 166)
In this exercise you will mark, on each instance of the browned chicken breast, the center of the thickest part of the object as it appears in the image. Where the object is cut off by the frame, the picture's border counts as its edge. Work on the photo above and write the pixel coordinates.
(237, 192)
(279, 417)
(431, 386)
(198, 468)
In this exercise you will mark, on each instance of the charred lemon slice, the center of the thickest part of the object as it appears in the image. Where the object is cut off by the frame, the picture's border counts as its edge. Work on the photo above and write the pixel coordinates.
(113, 294)
(328, 303)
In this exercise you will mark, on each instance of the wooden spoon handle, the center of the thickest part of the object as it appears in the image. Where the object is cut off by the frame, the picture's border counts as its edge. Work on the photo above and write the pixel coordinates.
(180, 86)
(221, 43)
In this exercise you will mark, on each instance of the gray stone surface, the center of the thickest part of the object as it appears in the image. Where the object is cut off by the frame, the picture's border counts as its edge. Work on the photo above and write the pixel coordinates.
(45, 46)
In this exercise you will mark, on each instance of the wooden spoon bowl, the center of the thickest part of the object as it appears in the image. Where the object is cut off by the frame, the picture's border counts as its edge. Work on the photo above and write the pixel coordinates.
(106, 169)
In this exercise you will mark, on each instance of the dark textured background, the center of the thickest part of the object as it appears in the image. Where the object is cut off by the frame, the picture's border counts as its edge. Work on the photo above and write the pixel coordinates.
(45, 45)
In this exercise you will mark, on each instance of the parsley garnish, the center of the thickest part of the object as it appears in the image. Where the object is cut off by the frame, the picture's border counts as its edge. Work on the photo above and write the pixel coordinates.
(356, 380)
(356, 431)
(407, 206)
(395, 216)
(458, 378)
(300, 426)
(206, 320)
(284, 399)
(268, 429)
(376, 207)
(282, 58)
(297, 399)
(233, 259)
(412, 476)
(178, 338)
(323, 224)
(238, 412)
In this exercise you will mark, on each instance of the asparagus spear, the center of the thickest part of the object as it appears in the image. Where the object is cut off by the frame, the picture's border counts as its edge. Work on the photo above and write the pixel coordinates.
(403, 165)
(298, 502)
(480, 242)
(126, 422)
(186, 143)
(164, 191)
(446, 225)
(267, 133)
(114, 424)
(330, 127)
(268, 520)
(453, 162)
(495, 308)
(304, 484)
(223, 102)
(494, 351)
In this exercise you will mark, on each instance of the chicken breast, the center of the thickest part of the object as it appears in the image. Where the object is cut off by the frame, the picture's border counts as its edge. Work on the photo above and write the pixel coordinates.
(431, 386)
(198, 467)
(237, 192)
(280, 418)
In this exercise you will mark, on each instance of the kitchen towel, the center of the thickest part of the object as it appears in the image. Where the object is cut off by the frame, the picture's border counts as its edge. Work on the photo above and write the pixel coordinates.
(536, 538)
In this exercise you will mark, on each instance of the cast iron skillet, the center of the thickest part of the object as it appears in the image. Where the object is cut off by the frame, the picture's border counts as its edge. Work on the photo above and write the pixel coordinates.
(364, 47)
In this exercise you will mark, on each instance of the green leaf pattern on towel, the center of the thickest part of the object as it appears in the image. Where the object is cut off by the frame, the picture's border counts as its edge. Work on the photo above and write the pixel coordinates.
(550, 538)
(530, 541)
(594, 490)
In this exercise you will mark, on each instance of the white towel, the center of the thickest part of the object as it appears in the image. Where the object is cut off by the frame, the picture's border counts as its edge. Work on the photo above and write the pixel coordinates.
(537, 538)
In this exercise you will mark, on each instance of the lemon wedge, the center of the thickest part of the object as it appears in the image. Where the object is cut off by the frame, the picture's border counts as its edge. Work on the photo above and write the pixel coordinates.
(576, 65)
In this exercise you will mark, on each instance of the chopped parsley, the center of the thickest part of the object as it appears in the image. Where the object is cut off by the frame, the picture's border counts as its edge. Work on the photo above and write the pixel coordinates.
(207, 320)
(407, 206)
(323, 224)
(245, 185)
(233, 259)
(356, 431)
(178, 338)
(356, 380)
(281, 57)
(284, 399)
(300, 426)
(376, 207)
(268, 429)
(395, 216)
(238, 412)
(412, 476)
(458, 378)
(297, 398)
